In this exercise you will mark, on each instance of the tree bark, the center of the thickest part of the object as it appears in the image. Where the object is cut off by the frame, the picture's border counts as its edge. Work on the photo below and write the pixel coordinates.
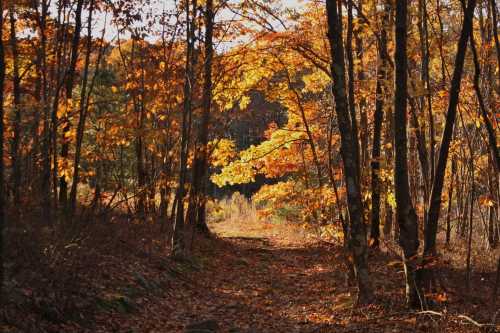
(350, 84)
(425, 54)
(450, 200)
(363, 117)
(380, 95)
(405, 213)
(44, 110)
(492, 139)
(83, 108)
(494, 25)
(178, 237)
(196, 216)
(357, 237)
(437, 187)
(471, 217)
(16, 103)
(2, 179)
(70, 77)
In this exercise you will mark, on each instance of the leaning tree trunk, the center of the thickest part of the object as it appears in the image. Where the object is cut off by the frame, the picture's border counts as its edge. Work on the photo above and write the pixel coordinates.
(405, 213)
(492, 138)
(437, 187)
(357, 239)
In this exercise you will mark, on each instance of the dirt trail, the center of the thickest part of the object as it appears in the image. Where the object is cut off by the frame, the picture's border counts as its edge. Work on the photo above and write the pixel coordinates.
(257, 278)
(250, 277)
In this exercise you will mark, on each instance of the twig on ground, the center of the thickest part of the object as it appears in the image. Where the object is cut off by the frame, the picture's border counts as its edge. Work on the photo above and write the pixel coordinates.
(464, 317)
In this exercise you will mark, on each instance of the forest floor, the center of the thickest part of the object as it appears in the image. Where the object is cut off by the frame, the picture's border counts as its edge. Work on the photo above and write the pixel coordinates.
(248, 278)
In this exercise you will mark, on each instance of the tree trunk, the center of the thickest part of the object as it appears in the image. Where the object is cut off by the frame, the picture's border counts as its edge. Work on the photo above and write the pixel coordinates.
(16, 103)
(2, 180)
(493, 222)
(363, 117)
(495, 31)
(492, 139)
(405, 213)
(471, 217)
(437, 187)
(389, 142)
(70, 77)
(450, 200)
(496, 286)
(358, 242)
(83, 108)
(44, 110)
(178, 237)
(380, 95)
(200, 164)
(425, 77)
(350, 84)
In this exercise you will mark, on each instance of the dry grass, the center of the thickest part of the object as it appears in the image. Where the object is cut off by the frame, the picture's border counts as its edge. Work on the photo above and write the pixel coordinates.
(237, 217)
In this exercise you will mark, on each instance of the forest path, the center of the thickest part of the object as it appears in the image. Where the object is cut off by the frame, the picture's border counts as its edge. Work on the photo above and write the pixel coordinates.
(256, 277)
(249, 278)
(275, 279)
(270, 278)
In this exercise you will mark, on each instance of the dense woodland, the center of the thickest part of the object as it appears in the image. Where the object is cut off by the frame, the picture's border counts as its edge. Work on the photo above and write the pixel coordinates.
(369, 127)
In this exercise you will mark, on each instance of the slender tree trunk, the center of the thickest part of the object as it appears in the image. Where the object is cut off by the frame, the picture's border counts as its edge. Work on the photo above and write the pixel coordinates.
(493, 222)
(44, 110)
(83, 107)
(405, 213)
(57, 80)
(173, 212)
(333, 182)
(358, 242)
(178, 237)
(2, 179)
(437, 187)
(310, 138)
(462, 227)
(350, 83)
(200, 165)
(450, 200)
(471, 215)
(496, 286)
(492, 139)
(422, 151)
(389, 148)
(140, 151)
(16, 103)
(493, 9)
(380, 95)
(444, 69)
(425, 54)
(375, 164)
(363, 117)
(304, 166)
(70, 77)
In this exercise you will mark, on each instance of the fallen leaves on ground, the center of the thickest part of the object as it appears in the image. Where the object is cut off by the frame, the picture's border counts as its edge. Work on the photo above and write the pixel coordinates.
(277, 280)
